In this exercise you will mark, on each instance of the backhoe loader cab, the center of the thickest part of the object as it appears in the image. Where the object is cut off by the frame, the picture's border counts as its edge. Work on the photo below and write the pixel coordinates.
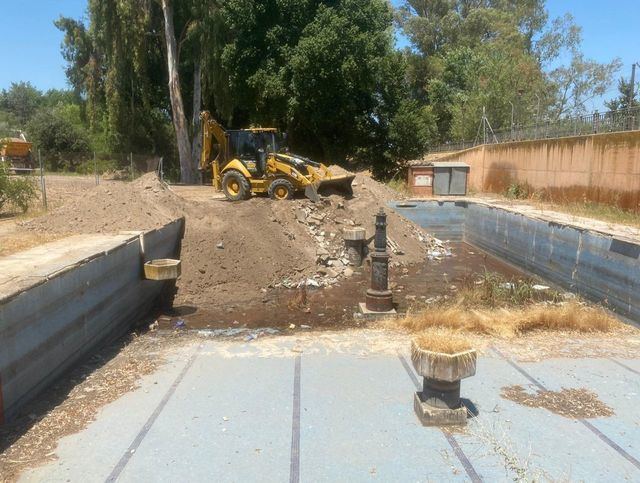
(247, 161)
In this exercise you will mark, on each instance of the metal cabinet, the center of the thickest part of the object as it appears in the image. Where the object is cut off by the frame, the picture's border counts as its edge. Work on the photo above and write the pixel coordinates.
(450, 178)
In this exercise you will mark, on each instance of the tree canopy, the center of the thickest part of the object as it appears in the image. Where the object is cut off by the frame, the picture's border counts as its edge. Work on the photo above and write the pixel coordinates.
(327, 71)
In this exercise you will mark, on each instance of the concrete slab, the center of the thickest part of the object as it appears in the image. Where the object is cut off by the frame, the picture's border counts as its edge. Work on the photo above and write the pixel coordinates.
(358, 423)
(617, 388)
(28, 268)
(229, 420)
(335, 409)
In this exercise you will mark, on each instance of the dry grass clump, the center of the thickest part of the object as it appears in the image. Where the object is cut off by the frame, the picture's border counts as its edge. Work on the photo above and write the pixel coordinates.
(445, 341)
(509, 322)
(573, 316)
(490, 304)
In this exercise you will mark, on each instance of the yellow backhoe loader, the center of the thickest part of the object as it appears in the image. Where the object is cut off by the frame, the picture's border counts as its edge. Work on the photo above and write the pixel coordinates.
(247, 161)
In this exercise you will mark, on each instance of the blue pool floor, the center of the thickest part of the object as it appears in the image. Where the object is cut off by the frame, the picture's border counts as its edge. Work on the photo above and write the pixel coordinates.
(336, 409)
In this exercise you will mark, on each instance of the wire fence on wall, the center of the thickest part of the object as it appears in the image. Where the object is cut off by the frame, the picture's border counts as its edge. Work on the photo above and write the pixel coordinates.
(596, 123)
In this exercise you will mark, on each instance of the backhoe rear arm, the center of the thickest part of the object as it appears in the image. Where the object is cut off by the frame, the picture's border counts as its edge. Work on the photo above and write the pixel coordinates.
(210, 130)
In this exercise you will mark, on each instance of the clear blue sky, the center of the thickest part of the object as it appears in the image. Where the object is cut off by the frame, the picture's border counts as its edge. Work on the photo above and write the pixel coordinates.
(30, 48)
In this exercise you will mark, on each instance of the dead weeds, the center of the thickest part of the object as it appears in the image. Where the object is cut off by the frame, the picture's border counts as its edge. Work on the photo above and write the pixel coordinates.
(444, 341)
(503, 322)
(571, 403)
(489, 305)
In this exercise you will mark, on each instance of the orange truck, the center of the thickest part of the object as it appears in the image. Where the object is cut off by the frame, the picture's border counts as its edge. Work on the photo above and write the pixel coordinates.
(16, 153)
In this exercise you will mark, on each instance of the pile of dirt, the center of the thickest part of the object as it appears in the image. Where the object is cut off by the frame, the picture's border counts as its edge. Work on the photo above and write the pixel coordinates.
(237, 252)
(233, 252)
(143, 204)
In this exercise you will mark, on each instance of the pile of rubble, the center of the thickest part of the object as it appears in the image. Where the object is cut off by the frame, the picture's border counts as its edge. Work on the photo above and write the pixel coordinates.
(325, 223)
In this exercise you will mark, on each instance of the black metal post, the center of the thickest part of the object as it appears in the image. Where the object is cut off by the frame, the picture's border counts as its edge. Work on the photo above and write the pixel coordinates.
(379, 298)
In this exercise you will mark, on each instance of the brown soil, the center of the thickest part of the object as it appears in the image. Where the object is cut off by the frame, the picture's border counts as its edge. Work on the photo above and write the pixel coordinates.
(570, 403)
(235, 252)
(111, 207)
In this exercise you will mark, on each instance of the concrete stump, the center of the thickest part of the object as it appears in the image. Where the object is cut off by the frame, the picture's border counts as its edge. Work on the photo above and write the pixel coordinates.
(354, 242)
(439, 404)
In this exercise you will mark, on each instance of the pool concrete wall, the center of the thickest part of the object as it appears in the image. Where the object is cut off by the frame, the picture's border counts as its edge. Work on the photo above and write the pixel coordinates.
(599, 266)
(60, 301)
(604, 168)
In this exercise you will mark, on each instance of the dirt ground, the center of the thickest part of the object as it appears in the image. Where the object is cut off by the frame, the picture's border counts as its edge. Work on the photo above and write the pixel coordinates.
(231, 251)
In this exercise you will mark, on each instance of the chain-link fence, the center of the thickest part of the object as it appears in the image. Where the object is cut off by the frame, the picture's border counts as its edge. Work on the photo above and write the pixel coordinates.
(91, 167)
(612, 121)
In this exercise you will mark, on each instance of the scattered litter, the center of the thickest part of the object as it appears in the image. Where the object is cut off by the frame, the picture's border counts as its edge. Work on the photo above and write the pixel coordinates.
(220, 245)
(180, 324)
(292, 326)
(305, 326)
(540, 287)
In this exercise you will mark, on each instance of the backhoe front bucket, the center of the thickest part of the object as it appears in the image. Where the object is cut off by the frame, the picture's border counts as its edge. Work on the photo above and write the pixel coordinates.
(340, 185)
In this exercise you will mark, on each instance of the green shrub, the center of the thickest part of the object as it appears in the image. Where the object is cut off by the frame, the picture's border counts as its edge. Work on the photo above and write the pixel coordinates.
(518, 191)
(17, 192)
(399, 185)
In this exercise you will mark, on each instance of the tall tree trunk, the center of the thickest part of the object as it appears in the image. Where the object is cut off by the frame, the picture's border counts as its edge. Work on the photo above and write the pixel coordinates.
(177, 106)
(196, 146)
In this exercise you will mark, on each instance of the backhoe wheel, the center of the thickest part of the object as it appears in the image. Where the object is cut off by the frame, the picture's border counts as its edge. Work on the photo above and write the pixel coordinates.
(235, 186)
(281, 189)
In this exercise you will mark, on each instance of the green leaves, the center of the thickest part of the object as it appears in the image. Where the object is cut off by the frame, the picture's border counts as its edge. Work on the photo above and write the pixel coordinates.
(56, 134)
(15, 191)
